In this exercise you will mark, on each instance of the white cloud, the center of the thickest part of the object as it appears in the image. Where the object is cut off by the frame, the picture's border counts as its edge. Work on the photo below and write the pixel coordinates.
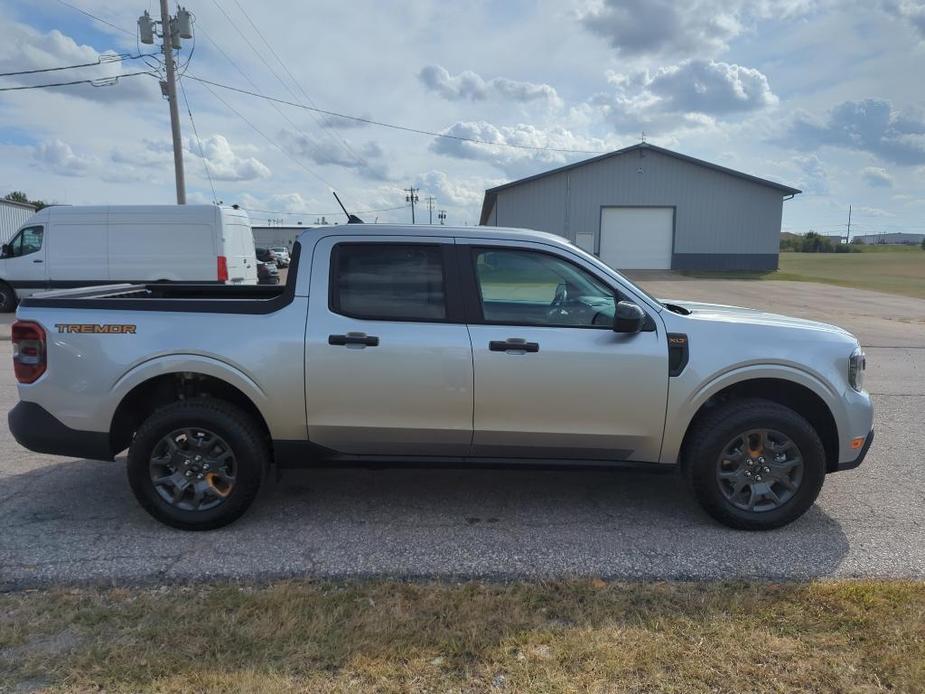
(368, 160)
(871, 125)
(472, 86)
(226, 165)
(872, 212)
(912, 11)
(680, 27)
(24, 48)
(453, 191)
(877, 177)
(58, 156)
(518, 161)
(696, 86)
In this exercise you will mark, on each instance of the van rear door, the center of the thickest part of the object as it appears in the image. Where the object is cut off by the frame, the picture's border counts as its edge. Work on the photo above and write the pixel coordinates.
(237, 245)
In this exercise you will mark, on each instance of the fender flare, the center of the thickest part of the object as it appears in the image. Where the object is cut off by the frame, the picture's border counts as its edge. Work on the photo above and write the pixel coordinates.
(681, 420)
(186, 363)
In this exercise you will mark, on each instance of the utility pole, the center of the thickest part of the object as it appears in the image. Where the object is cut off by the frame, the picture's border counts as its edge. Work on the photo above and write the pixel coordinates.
(430, 208)
(173, 29)
(848, 237)
(412, 197)
(442, 216)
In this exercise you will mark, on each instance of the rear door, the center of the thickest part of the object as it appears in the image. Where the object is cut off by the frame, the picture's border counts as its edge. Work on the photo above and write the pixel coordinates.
(552, 379)
(237, 244)
(388, 357)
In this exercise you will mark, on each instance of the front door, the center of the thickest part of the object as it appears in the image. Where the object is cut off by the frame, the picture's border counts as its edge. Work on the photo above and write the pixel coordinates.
(388, 357)
(552, 379)
(23, 265)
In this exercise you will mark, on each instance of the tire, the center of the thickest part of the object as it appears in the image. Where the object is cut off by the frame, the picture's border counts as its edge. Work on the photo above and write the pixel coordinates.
(234, 432)
(712, 452)
(8, 298)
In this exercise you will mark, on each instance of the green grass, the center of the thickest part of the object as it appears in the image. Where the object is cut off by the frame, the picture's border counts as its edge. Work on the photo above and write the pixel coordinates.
(391, 636)
(891, 269)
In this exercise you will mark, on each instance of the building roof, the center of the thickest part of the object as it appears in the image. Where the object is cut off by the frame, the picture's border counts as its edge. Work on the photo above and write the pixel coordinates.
(491, 195)
(16, 203)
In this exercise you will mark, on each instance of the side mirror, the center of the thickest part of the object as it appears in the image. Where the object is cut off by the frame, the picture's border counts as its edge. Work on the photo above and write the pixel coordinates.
(5, 252)
(628, 318)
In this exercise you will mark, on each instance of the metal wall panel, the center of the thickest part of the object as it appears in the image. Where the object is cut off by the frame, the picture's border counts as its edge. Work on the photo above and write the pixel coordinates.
(11, 218)
(717, 213)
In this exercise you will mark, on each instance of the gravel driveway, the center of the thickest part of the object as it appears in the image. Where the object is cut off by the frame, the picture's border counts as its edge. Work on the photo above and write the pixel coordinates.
(76, 521)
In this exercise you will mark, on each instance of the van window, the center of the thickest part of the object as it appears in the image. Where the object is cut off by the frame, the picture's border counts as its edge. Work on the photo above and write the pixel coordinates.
(27, 241)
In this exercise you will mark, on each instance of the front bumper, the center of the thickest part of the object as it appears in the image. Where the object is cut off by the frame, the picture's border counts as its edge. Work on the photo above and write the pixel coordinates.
(37, 429)
(860, 459)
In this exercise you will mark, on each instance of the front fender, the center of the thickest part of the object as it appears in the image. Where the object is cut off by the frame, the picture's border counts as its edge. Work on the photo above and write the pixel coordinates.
(686, 397)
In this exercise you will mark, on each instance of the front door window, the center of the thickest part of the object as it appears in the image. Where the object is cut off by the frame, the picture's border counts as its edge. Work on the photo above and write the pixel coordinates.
(27, 241)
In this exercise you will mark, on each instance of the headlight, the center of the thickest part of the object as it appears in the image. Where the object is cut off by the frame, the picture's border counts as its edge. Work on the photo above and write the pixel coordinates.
(857, 363)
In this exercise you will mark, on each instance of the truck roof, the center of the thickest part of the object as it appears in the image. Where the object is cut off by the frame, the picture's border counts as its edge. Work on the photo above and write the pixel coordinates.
(480, 232)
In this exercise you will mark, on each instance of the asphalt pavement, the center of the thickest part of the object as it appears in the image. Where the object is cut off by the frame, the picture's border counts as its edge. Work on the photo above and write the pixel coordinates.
(75, 521)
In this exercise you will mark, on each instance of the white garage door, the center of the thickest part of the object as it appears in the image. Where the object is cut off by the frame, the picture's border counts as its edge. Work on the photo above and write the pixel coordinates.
(637, 238)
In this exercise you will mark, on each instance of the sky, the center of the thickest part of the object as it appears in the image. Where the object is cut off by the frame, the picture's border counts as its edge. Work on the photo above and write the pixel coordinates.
(827, 96)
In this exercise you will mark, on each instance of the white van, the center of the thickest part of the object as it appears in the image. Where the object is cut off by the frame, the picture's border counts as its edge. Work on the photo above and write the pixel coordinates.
(63, 246)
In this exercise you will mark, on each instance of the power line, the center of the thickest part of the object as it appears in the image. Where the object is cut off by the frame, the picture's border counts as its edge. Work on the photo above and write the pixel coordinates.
(393, 126)
(268, 138)
(322, 214)
(272, 71)
(102, 82)
(102, 60)
(334, 136)
(254, 85)
(93, 16)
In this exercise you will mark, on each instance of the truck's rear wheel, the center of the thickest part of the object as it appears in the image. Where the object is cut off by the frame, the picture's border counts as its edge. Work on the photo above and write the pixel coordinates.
(8, 299)
(754, 464)
(197, 464)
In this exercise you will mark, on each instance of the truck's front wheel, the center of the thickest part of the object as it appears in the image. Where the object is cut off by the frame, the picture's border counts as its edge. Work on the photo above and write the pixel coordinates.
(755, 464)
(197, 464)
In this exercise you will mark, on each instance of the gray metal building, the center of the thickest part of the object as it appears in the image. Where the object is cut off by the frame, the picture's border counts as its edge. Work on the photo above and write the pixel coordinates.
(893, 238)
(646, 207)
(269, 237)
(12, 216)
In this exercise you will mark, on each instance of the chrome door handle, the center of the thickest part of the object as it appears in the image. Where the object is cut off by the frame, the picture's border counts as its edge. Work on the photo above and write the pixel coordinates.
(513, 344)
(361, 339)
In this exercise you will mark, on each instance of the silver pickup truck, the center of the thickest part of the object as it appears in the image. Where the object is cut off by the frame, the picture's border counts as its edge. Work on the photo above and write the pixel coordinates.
(436, 346)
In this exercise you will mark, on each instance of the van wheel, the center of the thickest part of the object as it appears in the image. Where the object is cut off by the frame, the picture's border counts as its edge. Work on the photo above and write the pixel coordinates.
(8, 298)
(197, 464)
(754, 464)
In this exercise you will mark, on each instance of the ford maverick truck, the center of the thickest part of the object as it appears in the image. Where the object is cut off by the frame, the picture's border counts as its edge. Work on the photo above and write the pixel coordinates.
(436, 346)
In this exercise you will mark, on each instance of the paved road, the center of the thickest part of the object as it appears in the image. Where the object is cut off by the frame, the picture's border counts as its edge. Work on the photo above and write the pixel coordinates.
(76, 521)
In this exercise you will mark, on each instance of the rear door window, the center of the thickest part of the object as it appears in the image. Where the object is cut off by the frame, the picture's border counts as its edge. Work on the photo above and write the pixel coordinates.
(383, 281)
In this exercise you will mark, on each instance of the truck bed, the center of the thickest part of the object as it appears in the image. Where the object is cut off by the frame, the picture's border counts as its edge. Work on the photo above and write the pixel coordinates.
(192, 297)
(169, 296)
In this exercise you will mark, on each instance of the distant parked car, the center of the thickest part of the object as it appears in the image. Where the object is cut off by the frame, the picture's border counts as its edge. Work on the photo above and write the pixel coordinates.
(264, 256)
(281, 253)
(267, 273)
